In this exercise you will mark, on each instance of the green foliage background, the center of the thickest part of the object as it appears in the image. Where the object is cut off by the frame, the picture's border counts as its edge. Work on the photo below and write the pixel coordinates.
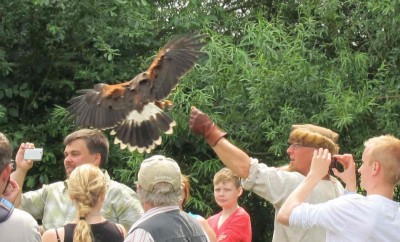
(270, 64)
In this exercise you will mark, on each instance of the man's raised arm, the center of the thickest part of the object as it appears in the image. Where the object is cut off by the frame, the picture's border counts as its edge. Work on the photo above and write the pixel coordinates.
(21, 169)
(233, 157)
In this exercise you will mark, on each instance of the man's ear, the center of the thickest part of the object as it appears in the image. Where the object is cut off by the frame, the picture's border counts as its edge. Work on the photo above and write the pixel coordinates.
(240, 189)
(97, 159)
(138, 187)
(5, 173)
(377, 168)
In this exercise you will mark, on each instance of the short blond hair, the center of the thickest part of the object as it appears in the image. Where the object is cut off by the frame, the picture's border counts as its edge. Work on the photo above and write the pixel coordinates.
(226, 175)
(386, 150)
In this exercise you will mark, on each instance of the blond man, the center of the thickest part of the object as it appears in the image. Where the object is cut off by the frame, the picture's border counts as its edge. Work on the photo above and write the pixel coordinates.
(352, 217)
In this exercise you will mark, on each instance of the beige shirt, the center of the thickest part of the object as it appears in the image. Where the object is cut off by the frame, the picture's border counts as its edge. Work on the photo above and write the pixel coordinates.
(275, 185)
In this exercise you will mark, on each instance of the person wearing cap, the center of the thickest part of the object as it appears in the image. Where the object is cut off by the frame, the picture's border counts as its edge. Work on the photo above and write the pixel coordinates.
(52, 205)
(353, 217)
(159, 189)
(15, 225)
(275, 184)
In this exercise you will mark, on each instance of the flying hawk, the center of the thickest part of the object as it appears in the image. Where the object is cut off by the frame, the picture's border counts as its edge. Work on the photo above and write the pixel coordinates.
(133, 109)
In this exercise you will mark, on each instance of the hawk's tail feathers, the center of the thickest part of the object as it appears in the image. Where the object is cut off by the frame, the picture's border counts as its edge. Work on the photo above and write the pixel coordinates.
(141, 130)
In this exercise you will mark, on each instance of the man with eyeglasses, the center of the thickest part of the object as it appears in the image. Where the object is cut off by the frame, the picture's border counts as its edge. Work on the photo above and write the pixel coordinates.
(15, 225)
(276, 184)
(352, 218)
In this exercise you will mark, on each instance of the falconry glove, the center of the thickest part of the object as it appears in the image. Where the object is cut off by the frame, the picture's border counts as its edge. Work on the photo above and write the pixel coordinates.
(201, 124)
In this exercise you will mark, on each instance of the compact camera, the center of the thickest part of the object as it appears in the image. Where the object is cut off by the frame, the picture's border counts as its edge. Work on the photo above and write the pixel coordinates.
(335, 164)
(35, 154)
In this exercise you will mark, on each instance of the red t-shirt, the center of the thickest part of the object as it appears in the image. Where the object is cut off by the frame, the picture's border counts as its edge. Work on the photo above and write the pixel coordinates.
(236, 228)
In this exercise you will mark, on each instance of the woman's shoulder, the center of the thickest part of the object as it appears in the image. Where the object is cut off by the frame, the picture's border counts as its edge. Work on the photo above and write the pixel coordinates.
(53, 235)
(109, 228)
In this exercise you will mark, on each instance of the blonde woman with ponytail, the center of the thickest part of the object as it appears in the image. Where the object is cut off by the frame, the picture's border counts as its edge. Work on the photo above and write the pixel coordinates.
(87, 189)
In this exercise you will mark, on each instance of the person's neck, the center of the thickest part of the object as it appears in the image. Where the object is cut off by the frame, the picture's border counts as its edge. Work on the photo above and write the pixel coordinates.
(327, 177)
(226, 212)
(93, 217)
(147, 206)
(385, 191)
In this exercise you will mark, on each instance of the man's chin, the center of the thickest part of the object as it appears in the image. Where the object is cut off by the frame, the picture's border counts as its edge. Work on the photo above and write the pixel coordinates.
(291, 167)
(68, 172)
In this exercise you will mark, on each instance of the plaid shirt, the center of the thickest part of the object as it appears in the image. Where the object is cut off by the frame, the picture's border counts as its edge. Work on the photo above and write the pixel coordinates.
(53, 206)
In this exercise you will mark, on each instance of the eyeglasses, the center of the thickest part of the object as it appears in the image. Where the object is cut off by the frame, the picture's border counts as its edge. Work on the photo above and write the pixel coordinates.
(299, 145)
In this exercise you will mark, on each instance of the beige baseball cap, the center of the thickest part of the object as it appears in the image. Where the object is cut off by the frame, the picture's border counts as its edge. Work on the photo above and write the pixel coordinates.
(158, 169)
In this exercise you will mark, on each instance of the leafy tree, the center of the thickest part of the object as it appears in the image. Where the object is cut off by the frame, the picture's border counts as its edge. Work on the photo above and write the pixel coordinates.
(270, 64)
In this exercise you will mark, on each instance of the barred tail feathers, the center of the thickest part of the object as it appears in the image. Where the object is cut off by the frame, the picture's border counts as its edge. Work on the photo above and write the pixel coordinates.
(141, 130)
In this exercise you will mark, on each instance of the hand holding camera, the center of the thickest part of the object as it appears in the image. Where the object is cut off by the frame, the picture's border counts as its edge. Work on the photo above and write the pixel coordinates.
(26, 155)
(343, 167)
(335, 164)
(34, 154)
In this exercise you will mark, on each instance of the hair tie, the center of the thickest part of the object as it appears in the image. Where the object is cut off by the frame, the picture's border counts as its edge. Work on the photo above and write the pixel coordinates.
(81, 218)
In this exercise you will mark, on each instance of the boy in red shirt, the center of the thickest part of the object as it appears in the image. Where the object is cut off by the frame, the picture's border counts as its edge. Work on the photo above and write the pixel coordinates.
(233, 222)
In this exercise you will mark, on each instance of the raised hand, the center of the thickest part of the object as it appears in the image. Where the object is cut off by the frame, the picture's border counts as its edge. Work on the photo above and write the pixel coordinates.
(22, 164)
(12, 191)
(348, 176)
(320, 163)
(201, 124)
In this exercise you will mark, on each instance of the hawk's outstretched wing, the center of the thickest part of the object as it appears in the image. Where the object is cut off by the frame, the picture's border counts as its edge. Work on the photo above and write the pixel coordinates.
(129, 108)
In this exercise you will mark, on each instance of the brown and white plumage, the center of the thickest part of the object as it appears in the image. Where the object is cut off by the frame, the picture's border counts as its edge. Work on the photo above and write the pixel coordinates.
(129, 108)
